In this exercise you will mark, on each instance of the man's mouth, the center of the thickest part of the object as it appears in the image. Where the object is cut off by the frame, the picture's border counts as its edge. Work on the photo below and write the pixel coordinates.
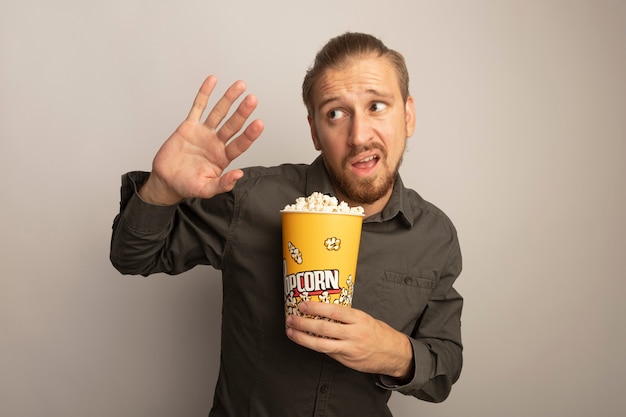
(365, 165)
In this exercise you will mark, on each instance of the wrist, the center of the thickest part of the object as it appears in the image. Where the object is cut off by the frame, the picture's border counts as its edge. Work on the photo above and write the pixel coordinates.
(154, 191)
(406, 362)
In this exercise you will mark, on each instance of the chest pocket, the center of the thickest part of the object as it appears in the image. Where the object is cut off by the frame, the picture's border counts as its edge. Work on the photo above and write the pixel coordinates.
(404, 298)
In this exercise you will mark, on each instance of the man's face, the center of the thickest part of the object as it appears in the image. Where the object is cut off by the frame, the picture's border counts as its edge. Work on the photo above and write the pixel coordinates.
(361, 124)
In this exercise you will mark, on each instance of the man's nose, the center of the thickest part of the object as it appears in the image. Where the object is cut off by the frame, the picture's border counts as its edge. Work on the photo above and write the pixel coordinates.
(361, 130)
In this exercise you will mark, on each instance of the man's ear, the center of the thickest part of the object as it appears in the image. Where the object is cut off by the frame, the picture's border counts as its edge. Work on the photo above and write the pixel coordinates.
(409, 112)
(316, 141)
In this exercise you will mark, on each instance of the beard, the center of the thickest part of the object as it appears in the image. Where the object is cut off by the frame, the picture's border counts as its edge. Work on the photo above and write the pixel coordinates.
(363, 190)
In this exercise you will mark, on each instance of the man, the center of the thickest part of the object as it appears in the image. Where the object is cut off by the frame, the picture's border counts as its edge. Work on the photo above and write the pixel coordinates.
(403, 332)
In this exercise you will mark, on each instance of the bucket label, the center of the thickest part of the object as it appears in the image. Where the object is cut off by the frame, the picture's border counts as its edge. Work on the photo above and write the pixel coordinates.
(313, 282)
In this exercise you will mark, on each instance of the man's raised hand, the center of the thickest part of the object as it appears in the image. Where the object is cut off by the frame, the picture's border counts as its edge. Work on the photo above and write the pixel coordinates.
(192, 161)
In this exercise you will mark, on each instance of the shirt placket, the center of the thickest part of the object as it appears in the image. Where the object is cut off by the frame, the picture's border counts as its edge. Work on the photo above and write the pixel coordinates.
(324, 387)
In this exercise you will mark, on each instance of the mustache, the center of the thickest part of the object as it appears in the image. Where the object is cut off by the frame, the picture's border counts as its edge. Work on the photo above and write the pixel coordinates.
(361, 149)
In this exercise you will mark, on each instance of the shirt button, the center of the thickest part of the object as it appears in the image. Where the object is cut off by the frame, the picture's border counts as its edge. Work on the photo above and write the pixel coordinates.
(408, 280)
(324, 389)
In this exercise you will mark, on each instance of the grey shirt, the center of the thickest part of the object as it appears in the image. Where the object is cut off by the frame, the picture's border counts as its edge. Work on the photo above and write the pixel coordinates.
(409, 258)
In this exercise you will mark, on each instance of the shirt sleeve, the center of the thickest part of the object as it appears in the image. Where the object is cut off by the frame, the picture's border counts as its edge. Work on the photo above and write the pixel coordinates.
(139, 230)
(436, 341)
(149, 238)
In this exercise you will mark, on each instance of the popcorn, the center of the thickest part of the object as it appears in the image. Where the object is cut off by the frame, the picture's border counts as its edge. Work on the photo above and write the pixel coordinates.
(322, 203)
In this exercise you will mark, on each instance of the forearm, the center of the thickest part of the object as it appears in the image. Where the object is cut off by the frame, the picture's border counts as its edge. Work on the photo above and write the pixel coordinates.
(140, 233)
(437, 347)
(437, 366)
(149, 238)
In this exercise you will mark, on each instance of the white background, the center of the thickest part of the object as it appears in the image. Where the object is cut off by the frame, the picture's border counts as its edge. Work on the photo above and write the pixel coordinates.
(520, 139)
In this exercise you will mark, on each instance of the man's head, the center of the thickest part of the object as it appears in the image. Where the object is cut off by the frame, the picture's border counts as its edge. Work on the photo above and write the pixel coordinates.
(360, 115)
(349, 46)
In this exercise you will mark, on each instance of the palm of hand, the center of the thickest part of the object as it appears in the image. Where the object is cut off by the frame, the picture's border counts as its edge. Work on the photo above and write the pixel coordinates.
(192, 160)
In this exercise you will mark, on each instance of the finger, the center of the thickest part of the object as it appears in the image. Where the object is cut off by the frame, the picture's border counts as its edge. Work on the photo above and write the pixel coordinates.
(219, 112)
(334, 312)
(313, 340)
(237, 120)
(228, 180)
(318, 326)
(202, 98)
(241, 144)
(222, 184)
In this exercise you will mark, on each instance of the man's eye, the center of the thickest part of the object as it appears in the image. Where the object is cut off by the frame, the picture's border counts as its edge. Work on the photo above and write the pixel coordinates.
(336, 114)
(378, 106)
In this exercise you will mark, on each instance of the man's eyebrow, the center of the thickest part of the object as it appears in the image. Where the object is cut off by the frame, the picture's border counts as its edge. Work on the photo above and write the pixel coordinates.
(326, 101)
(383, 94)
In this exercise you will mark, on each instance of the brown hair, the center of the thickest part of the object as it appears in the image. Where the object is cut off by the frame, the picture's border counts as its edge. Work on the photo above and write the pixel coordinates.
(340, 49)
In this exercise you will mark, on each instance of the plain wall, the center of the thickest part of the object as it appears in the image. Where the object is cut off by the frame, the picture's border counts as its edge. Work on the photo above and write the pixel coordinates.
(520, 139)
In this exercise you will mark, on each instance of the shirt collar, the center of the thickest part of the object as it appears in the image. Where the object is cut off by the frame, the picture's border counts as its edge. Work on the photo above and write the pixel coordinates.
(398, 205)
(317, 178)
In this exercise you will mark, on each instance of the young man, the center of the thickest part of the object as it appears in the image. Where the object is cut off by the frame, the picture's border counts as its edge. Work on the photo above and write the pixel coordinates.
(403, 332)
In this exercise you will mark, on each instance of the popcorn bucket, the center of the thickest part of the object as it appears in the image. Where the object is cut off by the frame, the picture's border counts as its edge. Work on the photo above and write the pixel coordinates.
(320, 252)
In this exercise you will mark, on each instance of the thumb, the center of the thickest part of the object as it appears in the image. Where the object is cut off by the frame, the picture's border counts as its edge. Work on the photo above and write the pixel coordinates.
(228, 180)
